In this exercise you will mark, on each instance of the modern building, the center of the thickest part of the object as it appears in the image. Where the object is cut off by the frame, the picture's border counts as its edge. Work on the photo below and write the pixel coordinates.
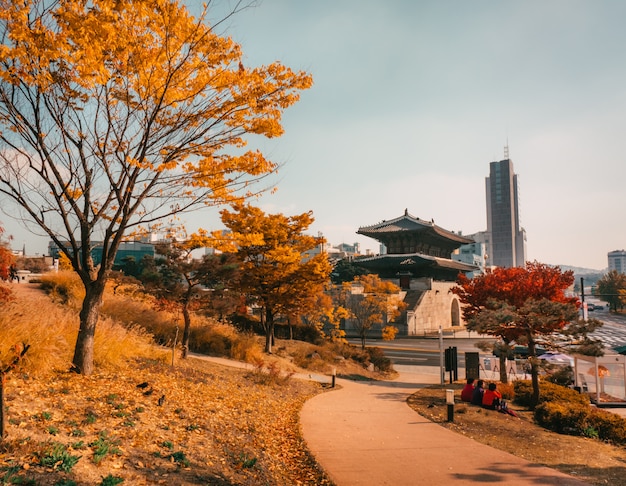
(135, 249)
(472, 254)
(617, 261)
(507, 239)
(335, 253)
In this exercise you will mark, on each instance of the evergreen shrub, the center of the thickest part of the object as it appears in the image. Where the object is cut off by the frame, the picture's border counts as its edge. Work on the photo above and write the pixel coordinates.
(548, 392)
(379, 360)
(577, 419)
(562, 417)
(609, 426)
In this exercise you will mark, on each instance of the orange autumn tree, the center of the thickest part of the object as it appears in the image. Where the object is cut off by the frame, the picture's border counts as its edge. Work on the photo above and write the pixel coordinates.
(371, 302)
(116, 115)
(325, 317)
(527, 306)
(276, 274)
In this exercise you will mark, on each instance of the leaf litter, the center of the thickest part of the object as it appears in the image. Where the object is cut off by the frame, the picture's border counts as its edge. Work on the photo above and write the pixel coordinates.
(214, 425)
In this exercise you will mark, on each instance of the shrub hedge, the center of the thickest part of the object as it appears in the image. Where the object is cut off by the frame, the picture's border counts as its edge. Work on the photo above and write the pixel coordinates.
(610, 426)
(548, 392)
(567, 411)
(379, 360)
(562, 417)
(577, 419)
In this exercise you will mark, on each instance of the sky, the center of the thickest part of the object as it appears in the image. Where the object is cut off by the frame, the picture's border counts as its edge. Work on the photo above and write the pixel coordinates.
(413, 99)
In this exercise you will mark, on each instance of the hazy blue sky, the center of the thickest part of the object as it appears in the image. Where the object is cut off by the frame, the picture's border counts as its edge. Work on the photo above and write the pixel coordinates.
(412, 100)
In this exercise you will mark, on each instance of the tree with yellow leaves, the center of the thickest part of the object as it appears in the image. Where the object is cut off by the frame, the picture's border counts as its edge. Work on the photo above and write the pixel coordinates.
(324, 316)
(118, 114)
(276, 274)
(370, 302)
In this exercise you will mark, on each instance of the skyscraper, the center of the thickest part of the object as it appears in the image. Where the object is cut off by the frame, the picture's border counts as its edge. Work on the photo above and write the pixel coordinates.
(507, 240)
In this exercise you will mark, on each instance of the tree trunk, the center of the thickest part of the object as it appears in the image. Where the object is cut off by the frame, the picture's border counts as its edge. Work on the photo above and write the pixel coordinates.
(2, 426)
(186, 330)
(504, 376)
(269, 331)
(534, 373)
(84, 350)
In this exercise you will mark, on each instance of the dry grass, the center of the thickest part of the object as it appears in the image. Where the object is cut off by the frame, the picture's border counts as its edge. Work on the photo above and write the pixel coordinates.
(588, 459)
(52, 329)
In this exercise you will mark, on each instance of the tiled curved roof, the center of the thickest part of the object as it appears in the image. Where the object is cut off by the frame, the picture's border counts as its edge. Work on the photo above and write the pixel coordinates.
(409, 223)
(415, 259)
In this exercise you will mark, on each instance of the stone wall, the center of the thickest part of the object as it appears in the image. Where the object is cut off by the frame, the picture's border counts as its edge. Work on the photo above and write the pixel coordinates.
(436, 307)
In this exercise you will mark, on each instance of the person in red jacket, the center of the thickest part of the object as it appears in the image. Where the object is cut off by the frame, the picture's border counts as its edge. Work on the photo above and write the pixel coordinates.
(492, 398)
(468, 390)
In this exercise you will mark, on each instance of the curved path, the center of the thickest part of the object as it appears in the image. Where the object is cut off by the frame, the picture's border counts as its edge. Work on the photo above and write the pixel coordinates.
(364, 433)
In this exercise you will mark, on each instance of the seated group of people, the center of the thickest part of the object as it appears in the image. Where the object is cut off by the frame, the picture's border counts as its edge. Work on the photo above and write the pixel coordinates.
(490, 398)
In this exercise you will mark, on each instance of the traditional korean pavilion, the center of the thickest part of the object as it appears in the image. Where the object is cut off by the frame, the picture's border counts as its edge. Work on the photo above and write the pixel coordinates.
(415, 248)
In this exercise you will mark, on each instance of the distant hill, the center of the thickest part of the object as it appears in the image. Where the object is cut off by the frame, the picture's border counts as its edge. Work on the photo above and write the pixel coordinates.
(582, 271)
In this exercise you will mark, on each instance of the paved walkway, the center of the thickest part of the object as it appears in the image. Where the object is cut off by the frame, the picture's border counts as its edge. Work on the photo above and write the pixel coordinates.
(365, 434)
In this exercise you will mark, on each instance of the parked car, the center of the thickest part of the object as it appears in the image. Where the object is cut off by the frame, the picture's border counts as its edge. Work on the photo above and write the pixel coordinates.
(520, 352)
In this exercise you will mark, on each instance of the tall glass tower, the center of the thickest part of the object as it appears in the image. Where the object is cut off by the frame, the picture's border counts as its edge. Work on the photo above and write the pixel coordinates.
(507, 240)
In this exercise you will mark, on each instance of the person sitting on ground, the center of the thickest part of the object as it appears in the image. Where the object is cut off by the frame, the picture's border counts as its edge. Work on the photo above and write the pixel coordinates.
(492, 398)
(477, 394)
(468, 390)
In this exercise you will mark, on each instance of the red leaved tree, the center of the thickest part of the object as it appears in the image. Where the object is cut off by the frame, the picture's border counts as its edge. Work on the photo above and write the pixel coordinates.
(6, 261)
(528, 306)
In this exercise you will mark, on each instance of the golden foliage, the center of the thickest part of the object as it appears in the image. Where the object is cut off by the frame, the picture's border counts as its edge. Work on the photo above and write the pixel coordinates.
(64, 287)
(370, 301)
(389, 333)
(150, 59)
(64, 262)
(273, 251)
(120, 113)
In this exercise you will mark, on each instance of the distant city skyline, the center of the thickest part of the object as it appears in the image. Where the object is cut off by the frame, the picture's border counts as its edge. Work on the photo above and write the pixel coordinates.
(412, 100)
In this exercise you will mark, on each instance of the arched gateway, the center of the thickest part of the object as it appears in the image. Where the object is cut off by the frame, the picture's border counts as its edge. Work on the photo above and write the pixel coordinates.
(455, 313)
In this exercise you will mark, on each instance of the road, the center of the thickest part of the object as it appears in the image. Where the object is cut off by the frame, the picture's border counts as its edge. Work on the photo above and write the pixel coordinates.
(613, 333)
(422, 351)
(426, 351)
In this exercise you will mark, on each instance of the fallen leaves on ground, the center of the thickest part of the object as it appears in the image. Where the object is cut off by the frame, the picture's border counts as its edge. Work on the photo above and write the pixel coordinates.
(195, 423)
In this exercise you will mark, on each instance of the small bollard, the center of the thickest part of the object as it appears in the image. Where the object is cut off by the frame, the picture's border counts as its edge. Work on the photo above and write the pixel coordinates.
(450, 403)
(334, 376)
